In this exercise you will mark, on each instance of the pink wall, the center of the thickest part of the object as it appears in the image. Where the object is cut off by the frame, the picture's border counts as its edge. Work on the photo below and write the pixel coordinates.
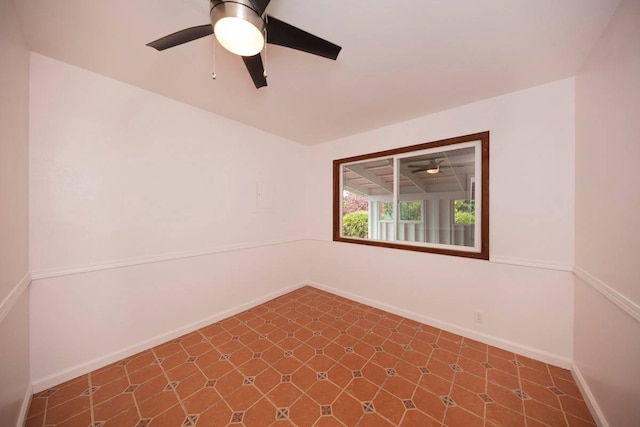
(14, 196)
(141, 207)
(526, 289)
(607, 323)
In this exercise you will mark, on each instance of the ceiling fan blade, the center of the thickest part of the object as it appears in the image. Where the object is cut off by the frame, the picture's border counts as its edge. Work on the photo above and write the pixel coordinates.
(182, 36)
(419, 170)
(260, 5)
(283, 34)
(256, 69)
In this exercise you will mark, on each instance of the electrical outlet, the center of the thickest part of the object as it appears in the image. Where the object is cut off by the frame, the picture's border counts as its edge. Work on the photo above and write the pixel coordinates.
(478, 316)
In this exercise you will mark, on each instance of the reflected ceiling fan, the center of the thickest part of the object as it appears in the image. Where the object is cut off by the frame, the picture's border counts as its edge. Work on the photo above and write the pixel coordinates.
(242, 27)
(433, 167)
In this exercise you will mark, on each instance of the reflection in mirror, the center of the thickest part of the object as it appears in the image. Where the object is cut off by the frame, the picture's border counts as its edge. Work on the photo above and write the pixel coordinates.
(431, 186)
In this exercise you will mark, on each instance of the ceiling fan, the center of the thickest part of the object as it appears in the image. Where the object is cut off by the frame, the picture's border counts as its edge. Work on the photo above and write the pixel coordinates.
(242, 27)
(433, 167)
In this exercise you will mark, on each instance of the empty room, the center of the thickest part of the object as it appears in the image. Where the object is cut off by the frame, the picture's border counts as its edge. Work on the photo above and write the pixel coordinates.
(319, 213)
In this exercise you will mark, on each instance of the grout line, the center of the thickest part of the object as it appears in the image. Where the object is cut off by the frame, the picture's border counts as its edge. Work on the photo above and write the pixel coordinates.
(93, 418)
(524, 407)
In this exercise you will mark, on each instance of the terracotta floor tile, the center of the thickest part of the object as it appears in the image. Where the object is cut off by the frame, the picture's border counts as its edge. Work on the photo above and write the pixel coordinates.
(68, 391)
(108, 375)
(470, 382)
(505, 397)
(145, 374)
(218, 415)
(37, 406)
(375, 420)
(128, 418)
(287, 365)
(354, 362)
(284, 395)
(190, 385)
(503, 365)
(374, 373)
(498, 352)
(243, 398)
(418, 418)
(229, 383)
(400, 387)
(444, 355)
(415, 357)
(441, 369)
(347, 409)
(174, 416)
(167, 349)
(502, 416)
(544, 413)
(578, 422)
(542, 394)
(80, 420)
(362, 389)
(384, 359)
(172, 361)
(113, 407)
(323, 392)
(201, 400)
(568, 387)
(389, 406)
(472, 366)
(435, 384)
(262, 413)
(35, 420)
(304, 412)
(149, 388)
(339, 375)
(67, 410)
(503, 379)
(457, 416)
(539, 377)
(312, 358)
(575, 407)
(468, 400)
(429, 403)
(157, 404)
(139, 361)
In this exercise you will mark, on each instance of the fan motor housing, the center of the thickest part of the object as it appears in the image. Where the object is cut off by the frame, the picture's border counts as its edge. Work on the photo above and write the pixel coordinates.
(242, 9)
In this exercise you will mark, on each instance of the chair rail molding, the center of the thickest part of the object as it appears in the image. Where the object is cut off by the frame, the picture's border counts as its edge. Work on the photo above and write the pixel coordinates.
(7, 304)
(628, 306)
(109, 265)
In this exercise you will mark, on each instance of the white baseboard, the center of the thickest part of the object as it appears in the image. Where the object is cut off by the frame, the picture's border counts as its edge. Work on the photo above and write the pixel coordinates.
(41, 384)
(24, 409)
(589, 398)
(533, 353)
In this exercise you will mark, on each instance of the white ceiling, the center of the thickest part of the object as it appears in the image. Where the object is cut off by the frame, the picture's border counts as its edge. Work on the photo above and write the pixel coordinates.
(400, 59)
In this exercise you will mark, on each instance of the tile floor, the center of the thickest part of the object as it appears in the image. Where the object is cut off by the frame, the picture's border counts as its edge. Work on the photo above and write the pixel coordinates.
(310, 358)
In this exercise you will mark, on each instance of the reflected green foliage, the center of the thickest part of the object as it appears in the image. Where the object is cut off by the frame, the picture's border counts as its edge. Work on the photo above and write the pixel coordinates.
(410, 211)
(386, 211)
(464, 211)
(356, 224)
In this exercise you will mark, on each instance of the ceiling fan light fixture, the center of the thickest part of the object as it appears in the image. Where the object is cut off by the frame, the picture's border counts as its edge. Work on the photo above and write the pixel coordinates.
(433, 169)
(238, 28)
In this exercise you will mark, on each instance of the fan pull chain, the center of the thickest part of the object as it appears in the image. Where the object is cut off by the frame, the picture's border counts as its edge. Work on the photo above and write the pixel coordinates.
(213, 74)
(264, 72)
